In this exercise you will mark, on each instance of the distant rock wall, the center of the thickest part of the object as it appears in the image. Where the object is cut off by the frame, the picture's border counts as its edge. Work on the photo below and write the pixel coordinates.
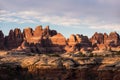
(105, 41)
(48, 41)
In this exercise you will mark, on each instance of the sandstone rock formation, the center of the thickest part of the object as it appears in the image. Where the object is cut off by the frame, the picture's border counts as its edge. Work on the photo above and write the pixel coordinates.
(28, 33)
(38, 31)
(113, 39)
(14, 39)
(97, 38)
(45, 40)
(1, 40)
(105, 41)
(77, 42)
(72, 40)
(52, 67)
(22, 63)
(58, 39)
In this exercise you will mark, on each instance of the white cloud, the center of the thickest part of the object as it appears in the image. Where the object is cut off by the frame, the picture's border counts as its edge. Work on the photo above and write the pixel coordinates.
(113, 27)
(113, 2)
(5, 19)
(3, 11)
(33, 16)
(7, 16)
(62, 20)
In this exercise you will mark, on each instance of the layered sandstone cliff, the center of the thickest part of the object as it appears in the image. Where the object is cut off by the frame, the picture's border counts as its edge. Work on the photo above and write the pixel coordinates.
(45, 40)
(21, 62)
(58, 67)
(106, 42)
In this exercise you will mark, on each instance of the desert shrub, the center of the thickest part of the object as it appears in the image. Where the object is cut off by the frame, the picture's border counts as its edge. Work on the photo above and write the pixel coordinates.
(91, 55)
(54, 55)
(117, 53)
(80, 54)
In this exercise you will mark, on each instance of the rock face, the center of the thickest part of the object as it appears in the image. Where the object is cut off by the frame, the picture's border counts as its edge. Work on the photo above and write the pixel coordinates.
(14, 39)
(72, 40)
(38, 31)
(45, 40)
(58, 39)
(28, 33)
(52, 67)
(105, 41)
(113, 39)
(1, 40)
(77, 42)
(97, 38)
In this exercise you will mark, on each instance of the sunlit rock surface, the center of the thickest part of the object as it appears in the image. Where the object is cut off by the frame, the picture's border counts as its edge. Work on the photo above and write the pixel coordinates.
(29, 66)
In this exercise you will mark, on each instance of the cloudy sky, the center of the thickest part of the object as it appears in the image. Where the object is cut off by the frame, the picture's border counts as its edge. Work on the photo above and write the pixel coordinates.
(65, 16)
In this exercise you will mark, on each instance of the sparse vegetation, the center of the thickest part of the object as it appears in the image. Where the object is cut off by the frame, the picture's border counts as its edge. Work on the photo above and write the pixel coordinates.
(117, 53)
(80, 54)
(53, 55)
(91, 55)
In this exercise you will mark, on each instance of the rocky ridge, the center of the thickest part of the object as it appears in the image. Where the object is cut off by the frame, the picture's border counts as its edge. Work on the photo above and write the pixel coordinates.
(50, 41)
(58, 67)
(28, 58)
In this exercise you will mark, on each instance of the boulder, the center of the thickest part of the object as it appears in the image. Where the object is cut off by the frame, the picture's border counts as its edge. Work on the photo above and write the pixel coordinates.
(53, 32)
(58, 39)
